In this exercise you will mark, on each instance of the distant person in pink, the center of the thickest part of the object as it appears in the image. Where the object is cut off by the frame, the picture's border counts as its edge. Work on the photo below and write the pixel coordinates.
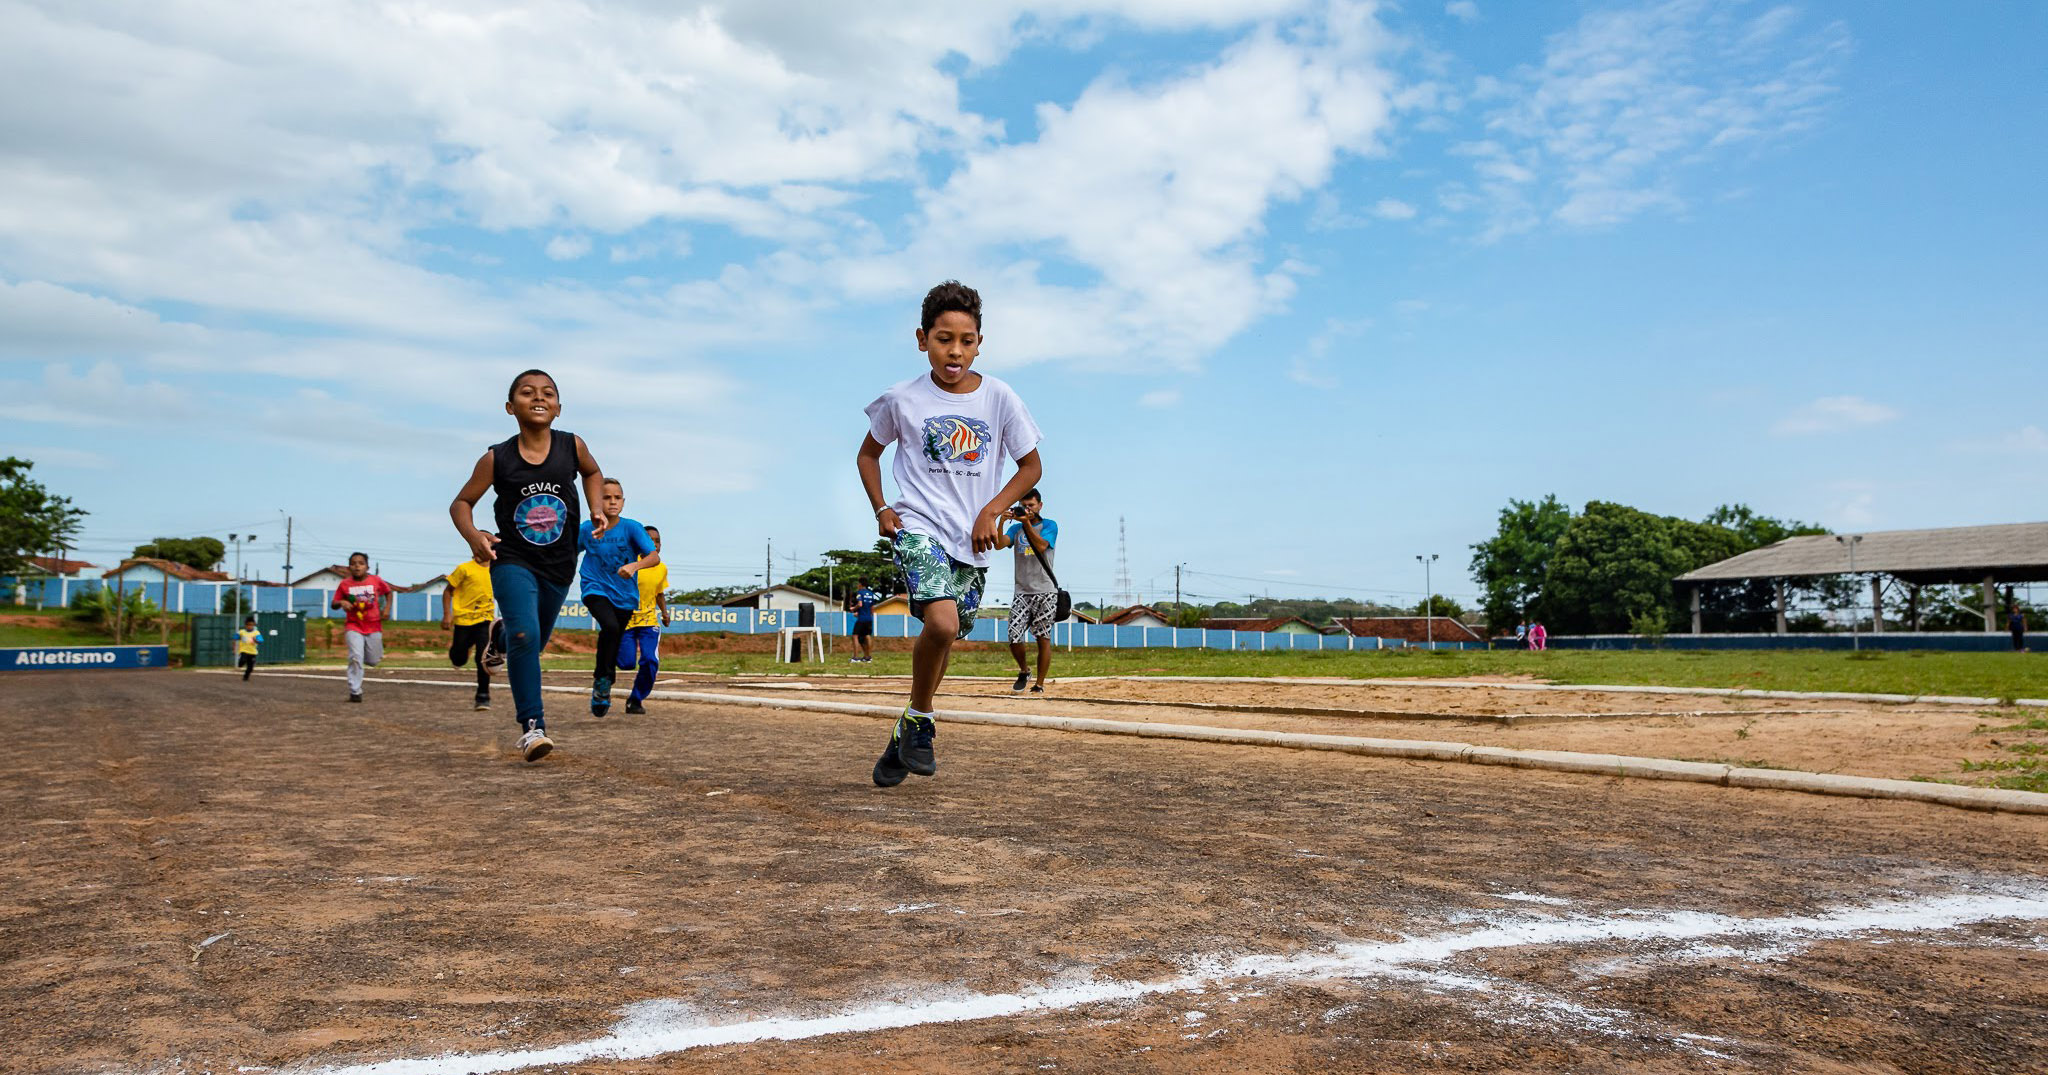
(1538, 637)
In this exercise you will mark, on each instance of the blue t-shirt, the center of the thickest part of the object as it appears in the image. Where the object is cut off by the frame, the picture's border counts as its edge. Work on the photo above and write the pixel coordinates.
(864, 601)
(1047, 529)
(624, 543)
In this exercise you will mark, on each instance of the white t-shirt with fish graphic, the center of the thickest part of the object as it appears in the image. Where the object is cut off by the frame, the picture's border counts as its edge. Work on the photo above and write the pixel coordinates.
(952, 452)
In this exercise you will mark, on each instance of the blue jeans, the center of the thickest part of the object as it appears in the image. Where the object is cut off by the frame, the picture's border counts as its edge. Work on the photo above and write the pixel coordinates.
(641, 648)
(529, 604)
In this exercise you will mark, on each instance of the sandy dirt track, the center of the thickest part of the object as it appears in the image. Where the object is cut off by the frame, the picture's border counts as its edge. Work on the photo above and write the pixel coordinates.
(387, 881)
(1826, 736)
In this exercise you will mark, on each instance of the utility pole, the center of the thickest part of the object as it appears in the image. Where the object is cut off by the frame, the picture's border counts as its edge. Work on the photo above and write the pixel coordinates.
(163, 615)
(1428, 599)
(1851, 540)
(287, 550)
(1176, 590)
(768, 567)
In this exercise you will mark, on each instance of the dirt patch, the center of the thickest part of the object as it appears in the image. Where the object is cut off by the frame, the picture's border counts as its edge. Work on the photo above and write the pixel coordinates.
(392, 882)
(1854, 738)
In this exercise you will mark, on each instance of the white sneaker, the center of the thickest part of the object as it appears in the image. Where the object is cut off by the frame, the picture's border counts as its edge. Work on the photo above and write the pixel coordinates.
(535, 744)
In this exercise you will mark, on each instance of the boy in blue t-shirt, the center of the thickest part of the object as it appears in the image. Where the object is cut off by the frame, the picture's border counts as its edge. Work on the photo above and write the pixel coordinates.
(862, 605)
(612, 562)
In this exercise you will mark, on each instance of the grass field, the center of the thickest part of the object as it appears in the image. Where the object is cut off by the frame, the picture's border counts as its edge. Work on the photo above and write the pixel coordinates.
(1988, 675)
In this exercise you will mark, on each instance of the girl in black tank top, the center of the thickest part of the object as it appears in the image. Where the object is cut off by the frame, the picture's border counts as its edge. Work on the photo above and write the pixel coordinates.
(538, 510)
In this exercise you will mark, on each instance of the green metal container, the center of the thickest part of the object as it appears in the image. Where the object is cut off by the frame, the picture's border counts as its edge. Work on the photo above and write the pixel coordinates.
(213, 639)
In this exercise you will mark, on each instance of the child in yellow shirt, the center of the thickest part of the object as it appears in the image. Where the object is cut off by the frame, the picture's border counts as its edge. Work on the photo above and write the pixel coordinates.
(246, 641)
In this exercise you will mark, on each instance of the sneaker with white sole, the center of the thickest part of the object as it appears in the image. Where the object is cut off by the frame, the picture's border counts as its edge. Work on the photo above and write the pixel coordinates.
(535, 744)
(1023, 679)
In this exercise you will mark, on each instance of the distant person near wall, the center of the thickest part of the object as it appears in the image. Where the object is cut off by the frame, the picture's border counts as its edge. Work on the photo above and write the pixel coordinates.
(2017, 622)
(1538, 637)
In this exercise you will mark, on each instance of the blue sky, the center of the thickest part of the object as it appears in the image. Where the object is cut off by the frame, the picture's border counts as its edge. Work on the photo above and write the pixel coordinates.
(1298, 289)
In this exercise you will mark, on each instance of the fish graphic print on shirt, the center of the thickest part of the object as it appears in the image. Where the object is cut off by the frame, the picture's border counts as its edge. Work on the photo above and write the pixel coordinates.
(955, 438)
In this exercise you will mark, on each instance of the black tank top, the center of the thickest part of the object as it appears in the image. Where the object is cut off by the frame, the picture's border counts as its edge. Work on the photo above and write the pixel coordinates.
(538, 510)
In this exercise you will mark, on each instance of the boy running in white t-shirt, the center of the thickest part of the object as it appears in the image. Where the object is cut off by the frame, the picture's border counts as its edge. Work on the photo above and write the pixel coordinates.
(952, 428)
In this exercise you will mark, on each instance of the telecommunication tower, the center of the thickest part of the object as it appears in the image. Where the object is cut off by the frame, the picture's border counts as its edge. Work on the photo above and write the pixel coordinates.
(1126, 593)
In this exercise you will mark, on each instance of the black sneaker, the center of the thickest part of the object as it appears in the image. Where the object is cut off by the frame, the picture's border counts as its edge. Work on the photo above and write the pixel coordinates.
(483, 703)
(1038, 688)
(1022, 679)
(634, 708)
(913, 742)
(601, 697)
(354, 697)
(889, 770)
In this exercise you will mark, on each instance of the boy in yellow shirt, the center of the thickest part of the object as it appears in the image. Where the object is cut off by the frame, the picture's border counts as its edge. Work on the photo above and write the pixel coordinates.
(246, 640)
(466, 609)
(641, 644)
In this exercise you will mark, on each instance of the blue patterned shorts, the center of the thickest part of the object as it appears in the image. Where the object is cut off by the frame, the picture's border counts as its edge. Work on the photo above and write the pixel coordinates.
(929, 575)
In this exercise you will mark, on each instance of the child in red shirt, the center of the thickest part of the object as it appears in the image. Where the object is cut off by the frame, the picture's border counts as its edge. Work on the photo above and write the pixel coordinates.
(368, 600)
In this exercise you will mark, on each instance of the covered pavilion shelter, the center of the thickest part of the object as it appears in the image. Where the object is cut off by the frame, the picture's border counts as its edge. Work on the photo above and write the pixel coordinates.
(1958, 555)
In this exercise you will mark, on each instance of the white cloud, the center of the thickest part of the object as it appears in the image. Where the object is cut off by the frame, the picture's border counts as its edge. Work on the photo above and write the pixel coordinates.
(1314, 367)
(1628, 101)
(1462, 10)
(1160, 399)
(42, 321)
(335, 136)
(1160, 192)
(1834, 414)
(568, 247)
(1393, 209)
(100, 396)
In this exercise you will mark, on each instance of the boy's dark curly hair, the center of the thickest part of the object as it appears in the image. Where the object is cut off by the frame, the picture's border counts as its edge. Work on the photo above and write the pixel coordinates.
(513, 392)
(951, 295)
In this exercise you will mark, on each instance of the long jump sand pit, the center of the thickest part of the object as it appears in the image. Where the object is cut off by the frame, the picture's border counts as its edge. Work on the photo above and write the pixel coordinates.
(209, 875)
(1893, 741)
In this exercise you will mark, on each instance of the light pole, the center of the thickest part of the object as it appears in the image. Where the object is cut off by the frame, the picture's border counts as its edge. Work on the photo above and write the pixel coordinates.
(1851, 540)
(1428, 608)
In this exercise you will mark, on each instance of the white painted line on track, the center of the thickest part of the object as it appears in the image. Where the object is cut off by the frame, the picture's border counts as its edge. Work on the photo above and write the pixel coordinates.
(662, 1028)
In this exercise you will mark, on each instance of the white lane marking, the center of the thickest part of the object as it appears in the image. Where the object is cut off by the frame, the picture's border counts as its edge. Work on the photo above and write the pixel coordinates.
(659, 1028)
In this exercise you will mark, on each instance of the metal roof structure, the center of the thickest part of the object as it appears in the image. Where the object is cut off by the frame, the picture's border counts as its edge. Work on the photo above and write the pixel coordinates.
(2008, 552)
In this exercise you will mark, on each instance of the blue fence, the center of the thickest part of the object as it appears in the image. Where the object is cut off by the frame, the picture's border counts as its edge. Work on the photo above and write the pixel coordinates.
(426, 608)
(1960, 641)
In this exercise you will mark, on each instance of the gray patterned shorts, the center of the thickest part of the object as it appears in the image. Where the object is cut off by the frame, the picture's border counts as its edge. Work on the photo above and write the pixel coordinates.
(1031, 614)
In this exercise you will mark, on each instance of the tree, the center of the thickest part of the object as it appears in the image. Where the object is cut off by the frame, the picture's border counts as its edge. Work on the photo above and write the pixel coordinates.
(876, 567)
(709, 595)
(33, 521)
(1437, 605)
(1512, 566)
(202, 553)
(1612, 569)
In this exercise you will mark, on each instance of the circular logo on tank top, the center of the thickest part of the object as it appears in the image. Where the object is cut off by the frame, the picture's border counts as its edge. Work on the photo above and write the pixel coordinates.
(540, 517)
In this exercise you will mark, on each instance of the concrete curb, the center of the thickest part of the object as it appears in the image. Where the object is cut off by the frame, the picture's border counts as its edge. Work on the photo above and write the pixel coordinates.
(1562, 761)
(1504, 719)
